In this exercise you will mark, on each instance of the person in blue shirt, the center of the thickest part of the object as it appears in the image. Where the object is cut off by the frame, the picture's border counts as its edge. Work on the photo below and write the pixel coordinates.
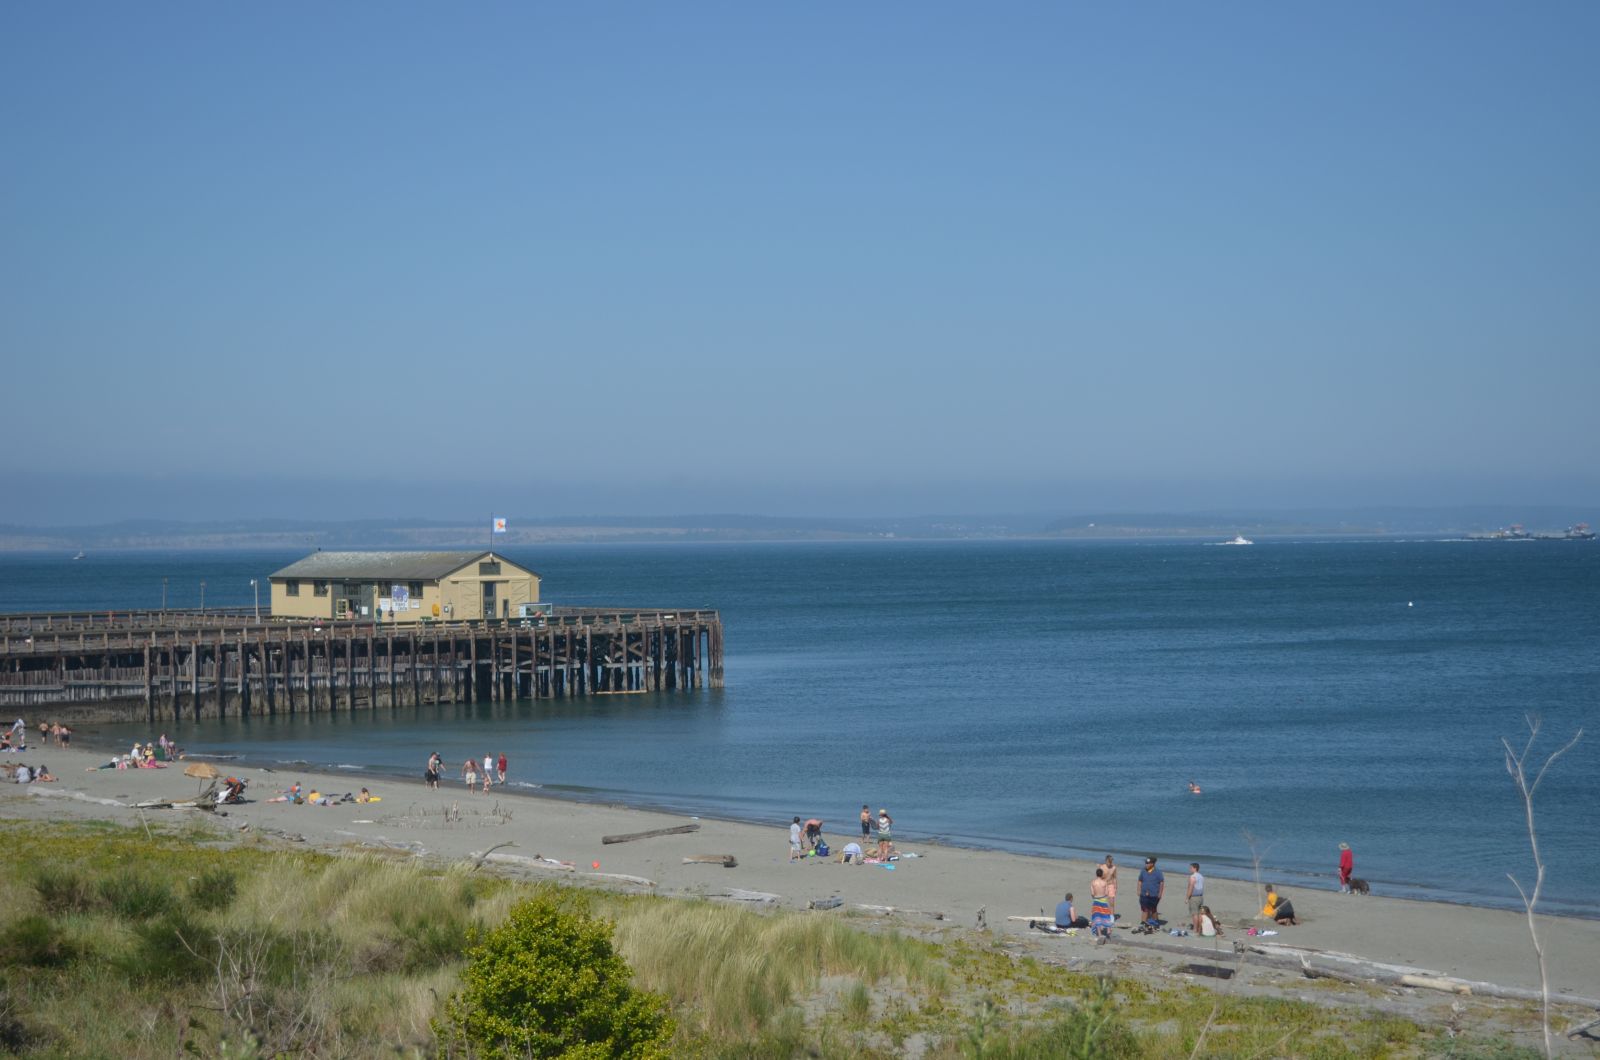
(1067, 916)
(1152, 884)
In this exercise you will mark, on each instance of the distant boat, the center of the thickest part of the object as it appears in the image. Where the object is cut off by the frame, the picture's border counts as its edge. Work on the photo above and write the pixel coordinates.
(1238, 539)
(78, 556)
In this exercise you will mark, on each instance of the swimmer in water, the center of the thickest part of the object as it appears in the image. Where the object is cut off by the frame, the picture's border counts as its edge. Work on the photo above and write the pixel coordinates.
(1194, 789)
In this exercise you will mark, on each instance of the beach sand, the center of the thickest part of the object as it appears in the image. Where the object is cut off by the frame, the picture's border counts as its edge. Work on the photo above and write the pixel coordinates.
(1476, 944)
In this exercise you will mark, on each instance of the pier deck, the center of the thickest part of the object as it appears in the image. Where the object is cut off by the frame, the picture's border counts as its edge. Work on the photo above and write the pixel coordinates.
(186, 664)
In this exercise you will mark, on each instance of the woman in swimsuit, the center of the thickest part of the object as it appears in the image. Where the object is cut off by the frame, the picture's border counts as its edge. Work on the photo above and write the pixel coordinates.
(885, 835)
(1110, 871)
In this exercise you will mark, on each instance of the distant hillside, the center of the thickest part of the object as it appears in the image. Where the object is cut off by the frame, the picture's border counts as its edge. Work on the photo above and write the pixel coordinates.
(279, 533)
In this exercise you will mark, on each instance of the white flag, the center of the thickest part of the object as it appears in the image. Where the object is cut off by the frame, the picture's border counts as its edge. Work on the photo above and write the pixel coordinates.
(499, 526)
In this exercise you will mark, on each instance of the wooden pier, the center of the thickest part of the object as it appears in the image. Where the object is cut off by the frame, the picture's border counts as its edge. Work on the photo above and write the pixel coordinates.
(171, 664)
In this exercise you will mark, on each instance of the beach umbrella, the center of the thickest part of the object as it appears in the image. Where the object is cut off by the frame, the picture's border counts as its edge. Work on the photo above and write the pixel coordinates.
(202, 771)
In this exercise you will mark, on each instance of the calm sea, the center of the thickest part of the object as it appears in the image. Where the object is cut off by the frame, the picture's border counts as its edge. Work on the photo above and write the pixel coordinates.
(1044, 697)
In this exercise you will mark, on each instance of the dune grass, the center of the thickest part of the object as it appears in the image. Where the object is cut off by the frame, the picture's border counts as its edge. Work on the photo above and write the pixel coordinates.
(118, 942)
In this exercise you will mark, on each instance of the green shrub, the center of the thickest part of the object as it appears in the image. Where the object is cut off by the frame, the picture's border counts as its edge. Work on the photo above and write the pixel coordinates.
(214, 889)
(547, 983)
(135, 895)
(170, 948)
(63, 889)
(36, 941)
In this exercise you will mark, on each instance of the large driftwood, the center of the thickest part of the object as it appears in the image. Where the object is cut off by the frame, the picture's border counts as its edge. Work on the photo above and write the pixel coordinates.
(727, 861)
(738, 894)
(1395, 975)
(891, 910)
(621, 878)
(1436, 982)
(681, 829)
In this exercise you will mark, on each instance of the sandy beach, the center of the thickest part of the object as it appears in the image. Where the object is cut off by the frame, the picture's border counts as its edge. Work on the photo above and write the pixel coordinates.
(1475, 944)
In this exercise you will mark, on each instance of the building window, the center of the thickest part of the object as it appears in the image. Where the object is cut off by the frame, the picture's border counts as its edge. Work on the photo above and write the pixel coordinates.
(415, 589)
(488, 569)
(320, 588)
(291, 587)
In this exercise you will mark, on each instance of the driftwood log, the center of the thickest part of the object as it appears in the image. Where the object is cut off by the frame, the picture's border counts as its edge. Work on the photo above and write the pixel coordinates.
(682, 829)
(892, 910)
(738, 894)
(727, 861)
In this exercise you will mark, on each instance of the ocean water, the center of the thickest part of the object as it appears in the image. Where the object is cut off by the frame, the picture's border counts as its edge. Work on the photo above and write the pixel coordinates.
(1045, 697)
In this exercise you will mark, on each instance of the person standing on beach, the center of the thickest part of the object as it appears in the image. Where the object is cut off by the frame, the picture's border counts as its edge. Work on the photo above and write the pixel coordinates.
(1100, 906)
(866, 822)
(488, 771)
(1110, 867)
(1347, 867)
(469, 773)
(1152, 885)
(794, 840)
(1195, 893)
(500, 767)
(885, 834)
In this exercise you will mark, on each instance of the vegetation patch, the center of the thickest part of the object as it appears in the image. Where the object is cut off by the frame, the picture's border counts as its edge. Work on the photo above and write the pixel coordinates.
(123, 942)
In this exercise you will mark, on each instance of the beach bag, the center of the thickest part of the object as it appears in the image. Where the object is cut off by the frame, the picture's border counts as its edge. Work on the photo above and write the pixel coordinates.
(822, 850)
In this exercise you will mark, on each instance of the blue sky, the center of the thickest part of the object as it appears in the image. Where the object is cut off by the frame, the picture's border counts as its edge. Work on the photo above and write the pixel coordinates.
(860, 259)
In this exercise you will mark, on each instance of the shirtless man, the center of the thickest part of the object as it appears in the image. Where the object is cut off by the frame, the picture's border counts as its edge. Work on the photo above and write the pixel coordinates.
(1099, 906)
(1109, 871)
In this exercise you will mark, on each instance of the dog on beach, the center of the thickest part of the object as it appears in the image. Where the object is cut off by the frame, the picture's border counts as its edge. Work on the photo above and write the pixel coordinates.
(1359, 886)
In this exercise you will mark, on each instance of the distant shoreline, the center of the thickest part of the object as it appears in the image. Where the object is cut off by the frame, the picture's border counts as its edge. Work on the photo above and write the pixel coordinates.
(45, 543)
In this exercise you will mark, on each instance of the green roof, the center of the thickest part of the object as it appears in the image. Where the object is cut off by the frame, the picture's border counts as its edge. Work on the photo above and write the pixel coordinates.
(385, 566)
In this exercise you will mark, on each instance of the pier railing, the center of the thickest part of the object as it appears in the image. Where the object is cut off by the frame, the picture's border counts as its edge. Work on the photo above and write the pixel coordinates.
(51, 632)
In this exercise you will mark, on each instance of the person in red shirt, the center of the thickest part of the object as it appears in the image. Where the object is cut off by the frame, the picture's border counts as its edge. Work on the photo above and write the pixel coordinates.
(1347, 867)
(500, 767)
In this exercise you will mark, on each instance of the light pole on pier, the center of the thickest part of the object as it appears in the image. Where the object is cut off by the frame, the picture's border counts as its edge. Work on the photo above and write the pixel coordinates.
(257, 588)
(202, 596)
(163, 596)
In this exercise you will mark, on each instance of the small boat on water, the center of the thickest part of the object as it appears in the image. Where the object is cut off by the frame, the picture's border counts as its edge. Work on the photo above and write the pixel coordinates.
(1238, 539)
(78, 556)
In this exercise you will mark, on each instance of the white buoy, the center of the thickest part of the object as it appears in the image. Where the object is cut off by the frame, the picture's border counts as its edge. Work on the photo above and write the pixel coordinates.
(1410, 604)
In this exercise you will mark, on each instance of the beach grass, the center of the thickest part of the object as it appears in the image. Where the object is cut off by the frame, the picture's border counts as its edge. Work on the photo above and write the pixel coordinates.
(161, 941)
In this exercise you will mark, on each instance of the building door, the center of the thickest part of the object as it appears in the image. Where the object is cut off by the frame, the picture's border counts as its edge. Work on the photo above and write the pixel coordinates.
(490, 608)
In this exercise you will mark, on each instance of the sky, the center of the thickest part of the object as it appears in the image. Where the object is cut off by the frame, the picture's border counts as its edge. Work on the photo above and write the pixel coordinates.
(389, 260)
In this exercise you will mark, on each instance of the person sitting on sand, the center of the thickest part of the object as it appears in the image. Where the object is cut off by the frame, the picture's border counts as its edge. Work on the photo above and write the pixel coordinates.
(1209, 925)
(365, 796)
(1278, 908)
(1067, 914)
(42, 775)
(851, 855)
